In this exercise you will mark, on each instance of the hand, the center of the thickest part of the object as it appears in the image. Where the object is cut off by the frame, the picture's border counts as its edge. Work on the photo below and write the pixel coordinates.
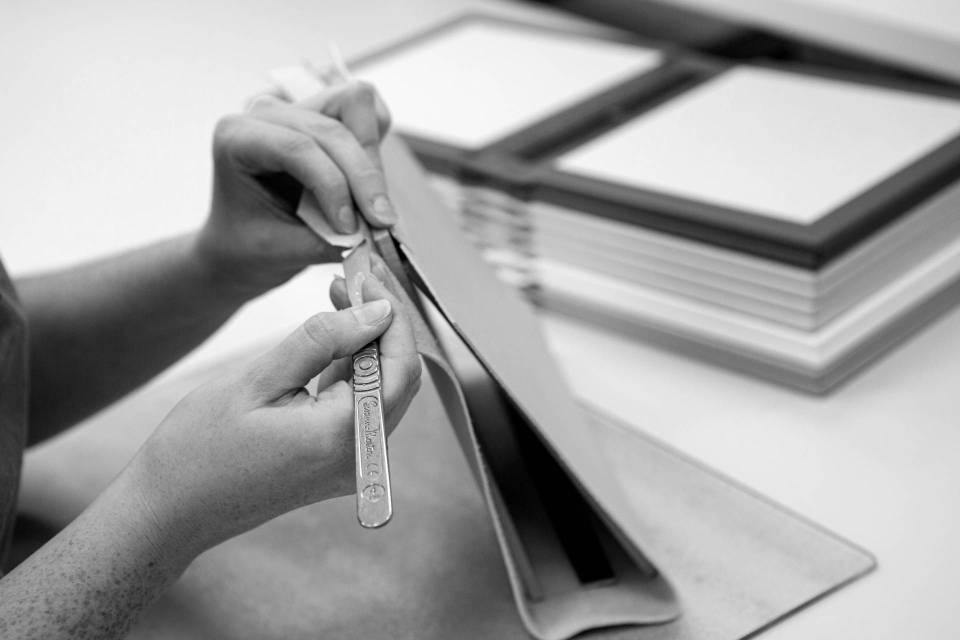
(255, 444)
(264, 158)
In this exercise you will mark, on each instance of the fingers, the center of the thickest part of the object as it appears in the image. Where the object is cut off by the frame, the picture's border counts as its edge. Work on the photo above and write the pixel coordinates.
(267, 94)
(354, 152)
(358, 105)
(314, 345)
(339, 371)
(260, 147)
(338, 293)
(340, 166)
(338, 287)
(358, 113)
(399, 358)
(386, 277)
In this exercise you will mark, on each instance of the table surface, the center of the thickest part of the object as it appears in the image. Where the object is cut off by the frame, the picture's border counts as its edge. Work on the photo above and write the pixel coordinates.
(108, 115)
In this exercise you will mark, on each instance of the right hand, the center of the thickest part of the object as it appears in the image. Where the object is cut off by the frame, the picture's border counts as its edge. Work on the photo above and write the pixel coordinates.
(255, 444)
(328, 144)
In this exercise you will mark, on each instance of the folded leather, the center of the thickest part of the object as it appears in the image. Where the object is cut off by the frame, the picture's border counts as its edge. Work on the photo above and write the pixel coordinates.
(516, 393)
(570, 569)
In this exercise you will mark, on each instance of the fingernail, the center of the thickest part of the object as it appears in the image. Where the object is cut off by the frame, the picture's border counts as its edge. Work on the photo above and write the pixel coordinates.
(372, 312)
(356, 287)
(348, 219)
(384, 210)
(372, 278)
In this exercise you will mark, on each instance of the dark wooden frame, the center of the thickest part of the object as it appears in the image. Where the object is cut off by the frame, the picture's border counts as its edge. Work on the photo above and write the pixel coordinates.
(520, 162)
(809, 246)
(448, 159)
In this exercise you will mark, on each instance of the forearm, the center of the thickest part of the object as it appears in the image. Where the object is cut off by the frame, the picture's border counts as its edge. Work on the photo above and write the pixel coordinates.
(95, 576)
(102, 329)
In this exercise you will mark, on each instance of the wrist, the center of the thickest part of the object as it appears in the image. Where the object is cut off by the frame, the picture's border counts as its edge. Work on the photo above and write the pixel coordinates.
(239, 270)
(154, 532)
(221, 274)
(174, 535)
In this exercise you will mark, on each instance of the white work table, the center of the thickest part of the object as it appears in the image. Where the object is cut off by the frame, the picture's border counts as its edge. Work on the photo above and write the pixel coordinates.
(108, 112)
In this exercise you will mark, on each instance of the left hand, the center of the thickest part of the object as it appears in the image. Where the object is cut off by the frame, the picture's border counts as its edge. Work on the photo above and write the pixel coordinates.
(254, 443)
(264, 158)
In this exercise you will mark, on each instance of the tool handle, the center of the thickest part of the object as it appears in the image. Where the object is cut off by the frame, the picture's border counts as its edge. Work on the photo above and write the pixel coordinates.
(374, 501)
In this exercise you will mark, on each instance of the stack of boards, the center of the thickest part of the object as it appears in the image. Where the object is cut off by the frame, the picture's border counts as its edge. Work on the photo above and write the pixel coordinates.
(782, 221)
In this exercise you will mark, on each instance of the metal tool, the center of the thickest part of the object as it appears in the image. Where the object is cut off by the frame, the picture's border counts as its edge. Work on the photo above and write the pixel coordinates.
(374, 500)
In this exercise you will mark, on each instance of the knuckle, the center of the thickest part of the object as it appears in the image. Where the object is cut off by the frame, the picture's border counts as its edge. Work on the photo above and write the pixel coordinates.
(227, 123)
(367, 174)
(329, 128)
(319, 330)
(248, 383)
(226, 131)
(363, 91)
(298, 145)
(332, 193)
(334, 183)
(261, 103)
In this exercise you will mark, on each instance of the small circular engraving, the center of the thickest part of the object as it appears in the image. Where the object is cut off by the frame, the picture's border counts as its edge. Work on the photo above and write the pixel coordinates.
(373, 471)
(374, 492)
(366, 364)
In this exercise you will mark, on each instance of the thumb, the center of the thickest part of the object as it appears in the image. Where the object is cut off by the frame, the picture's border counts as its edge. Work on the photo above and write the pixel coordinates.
(316, 343)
